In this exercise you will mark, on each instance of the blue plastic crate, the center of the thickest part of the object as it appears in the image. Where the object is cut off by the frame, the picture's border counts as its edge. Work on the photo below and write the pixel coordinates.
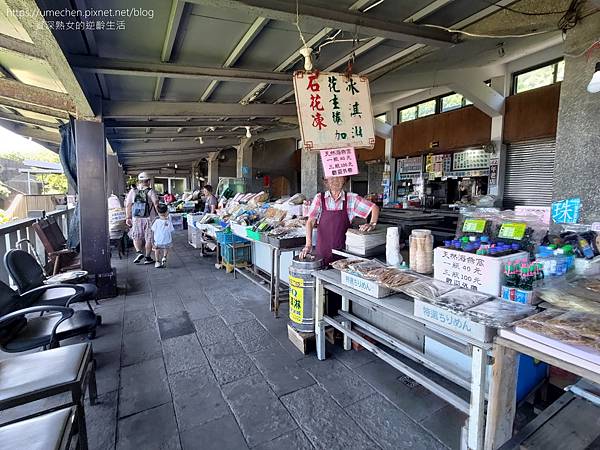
(530, 375)
(242, 254)
(227, 237)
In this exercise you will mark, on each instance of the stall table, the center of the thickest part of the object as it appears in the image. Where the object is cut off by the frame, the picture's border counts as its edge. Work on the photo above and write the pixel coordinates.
(466, 395)
(501, 407)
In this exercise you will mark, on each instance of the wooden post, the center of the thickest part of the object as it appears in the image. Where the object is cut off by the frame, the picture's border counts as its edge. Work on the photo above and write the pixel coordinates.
(476, 411)
(502, 397)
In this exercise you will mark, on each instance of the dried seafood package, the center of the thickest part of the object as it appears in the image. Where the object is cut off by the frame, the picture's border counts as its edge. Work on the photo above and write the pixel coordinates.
(367, 269)
(583, 323)
(394, 278)
(499, 313)
(579, 294)
(427, 289)
(342, 264)
(461, 299)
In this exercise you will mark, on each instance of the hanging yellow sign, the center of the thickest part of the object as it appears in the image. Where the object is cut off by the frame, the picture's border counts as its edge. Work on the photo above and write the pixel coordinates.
(296, 299)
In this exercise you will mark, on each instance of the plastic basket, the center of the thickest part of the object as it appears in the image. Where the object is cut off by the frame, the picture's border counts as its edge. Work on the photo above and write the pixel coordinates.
(242, 255)
(227, 237)
(254, 235)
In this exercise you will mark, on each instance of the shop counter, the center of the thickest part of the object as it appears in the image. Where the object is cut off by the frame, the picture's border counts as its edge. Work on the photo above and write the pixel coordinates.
(465, 393)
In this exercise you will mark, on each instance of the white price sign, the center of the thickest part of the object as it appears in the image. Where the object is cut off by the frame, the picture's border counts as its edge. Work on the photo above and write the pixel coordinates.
(334, 110)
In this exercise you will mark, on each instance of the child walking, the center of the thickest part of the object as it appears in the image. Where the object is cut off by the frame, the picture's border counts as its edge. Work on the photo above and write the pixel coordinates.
(163, 241)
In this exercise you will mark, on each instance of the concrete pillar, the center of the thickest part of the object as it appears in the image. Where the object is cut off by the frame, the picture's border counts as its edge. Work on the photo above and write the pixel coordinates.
(244, 160)
(213, 169)
(115, 177)
(577, 162)
(93, 208)
(389, 173)
(496, 186)
(311, 173)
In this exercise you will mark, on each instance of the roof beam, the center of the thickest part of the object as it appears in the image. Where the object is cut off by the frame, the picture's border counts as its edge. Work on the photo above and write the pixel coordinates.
(175, 15)
(121, 110)
(35, 25)
(22, 48)
(149, 69)
(183, 134)
(25, 106)
(24, 119)
(253, 31)
(343, 20)
(33, 133)
(169, 147)
(111, 123)
(14, 90)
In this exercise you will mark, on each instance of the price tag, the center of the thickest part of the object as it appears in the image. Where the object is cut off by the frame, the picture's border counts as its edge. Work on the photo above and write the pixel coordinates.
(515, 230)
(296, 299)
(474, 225)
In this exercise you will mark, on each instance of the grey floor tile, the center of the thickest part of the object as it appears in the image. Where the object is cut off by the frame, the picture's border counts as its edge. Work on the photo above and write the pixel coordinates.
(167, 306)
(108, 368)
(446, 425)
(183, 353)
(280, 370)
(257, 409)
(324, 422)
(154, 429)
(252, 335)
(101, 422)
(176, 325)
(352, 358)
(415, 401)
(143, 386)
(220, 434)
(139, 301)
(199, 309)
(140, 346)
(389, 427)
(236, 315)
(213, 330)
(197, 398)
(139, 320)
(229, 366)
(341, 383)
(295, 440)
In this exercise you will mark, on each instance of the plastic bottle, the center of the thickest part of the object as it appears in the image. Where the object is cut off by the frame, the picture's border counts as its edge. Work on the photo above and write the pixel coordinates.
(586, 249)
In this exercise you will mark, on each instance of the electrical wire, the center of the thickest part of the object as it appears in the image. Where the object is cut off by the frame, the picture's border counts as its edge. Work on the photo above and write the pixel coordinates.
(500, 36)
(297, 23)
(525, 13)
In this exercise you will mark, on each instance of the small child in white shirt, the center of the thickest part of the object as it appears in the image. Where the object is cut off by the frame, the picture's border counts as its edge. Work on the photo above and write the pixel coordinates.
(163, 241)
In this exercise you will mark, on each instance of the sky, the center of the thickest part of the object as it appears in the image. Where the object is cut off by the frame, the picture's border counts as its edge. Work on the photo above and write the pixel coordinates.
(13, 142)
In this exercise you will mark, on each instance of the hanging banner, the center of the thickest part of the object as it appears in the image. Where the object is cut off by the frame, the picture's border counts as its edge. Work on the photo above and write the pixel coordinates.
(334, 111)
(339, 162)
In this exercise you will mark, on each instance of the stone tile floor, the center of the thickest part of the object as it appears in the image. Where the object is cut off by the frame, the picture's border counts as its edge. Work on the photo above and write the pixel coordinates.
(189, 358)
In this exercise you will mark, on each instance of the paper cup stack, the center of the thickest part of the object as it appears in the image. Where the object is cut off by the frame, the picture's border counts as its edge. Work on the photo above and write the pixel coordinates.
(421, 251)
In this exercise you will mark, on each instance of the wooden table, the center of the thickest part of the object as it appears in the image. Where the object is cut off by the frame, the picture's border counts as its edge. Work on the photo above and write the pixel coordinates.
(467, 395)
(502, 399)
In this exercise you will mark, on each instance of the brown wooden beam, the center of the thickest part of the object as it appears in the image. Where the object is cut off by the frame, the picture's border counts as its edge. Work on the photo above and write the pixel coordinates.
(24, 119)
(15, 90)
(17, 104)
(17, 46)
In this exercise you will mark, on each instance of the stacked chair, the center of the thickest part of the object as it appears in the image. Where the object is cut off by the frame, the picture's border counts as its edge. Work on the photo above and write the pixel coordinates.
(40, 316)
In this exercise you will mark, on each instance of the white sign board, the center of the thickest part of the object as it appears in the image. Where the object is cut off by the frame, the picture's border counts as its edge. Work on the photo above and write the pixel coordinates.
(334, 111)
(543, 212)
(410, 165)
(469, 271)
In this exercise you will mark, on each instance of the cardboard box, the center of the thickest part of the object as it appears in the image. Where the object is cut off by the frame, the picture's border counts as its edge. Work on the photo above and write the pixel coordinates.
(512, 294)
(365, 286)
(469, 271)
(453, 321)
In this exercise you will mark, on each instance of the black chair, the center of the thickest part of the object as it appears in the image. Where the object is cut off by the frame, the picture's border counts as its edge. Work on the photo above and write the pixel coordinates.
(19, 331)
(27, 274)
(36, 376)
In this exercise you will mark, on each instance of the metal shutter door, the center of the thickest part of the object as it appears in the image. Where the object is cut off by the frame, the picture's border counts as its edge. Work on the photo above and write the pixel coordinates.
(529, 173)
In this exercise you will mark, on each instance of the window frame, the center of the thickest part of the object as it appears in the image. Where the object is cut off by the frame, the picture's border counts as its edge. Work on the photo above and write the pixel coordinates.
(438, 107)
(515, 75)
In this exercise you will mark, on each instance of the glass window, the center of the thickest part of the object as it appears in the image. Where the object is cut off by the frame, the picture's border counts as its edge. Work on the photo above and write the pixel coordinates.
(381, 118)
(468, 102)
(542, 76)
(426, 108)
(408, 114)
(452, 101)
(560, 70)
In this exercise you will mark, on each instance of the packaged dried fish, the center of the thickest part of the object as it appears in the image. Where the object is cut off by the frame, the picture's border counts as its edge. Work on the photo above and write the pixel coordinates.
(586, 324)
(460, 299)
(499, 313)
(342, 264)
(394, 278)
(427, 289)
(367, 269)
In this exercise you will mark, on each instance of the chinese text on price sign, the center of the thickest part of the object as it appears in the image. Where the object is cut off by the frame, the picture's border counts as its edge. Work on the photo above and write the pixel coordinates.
(339, 162)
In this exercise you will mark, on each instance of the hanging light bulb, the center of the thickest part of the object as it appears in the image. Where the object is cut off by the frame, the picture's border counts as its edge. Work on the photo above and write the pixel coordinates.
(248, 134)
(306, 52)
(200, 140)
(594, 85)
(176, 166)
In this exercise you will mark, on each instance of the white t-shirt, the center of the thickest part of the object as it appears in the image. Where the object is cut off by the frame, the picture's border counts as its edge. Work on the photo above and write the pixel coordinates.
(162, 229)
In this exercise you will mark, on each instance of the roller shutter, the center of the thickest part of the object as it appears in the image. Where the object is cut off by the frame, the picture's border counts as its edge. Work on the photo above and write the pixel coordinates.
(529, 173)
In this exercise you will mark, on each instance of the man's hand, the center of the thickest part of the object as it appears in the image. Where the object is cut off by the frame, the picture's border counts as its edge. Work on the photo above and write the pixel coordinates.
(129, 223)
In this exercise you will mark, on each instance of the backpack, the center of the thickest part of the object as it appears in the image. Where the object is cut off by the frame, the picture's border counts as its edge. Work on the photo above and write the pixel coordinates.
(141, 206)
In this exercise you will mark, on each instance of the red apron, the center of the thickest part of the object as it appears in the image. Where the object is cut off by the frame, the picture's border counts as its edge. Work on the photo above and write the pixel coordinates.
(332, 230)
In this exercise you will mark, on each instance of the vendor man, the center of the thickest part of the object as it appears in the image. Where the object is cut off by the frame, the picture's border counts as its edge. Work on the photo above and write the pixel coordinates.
(141, 206)
(334, 211)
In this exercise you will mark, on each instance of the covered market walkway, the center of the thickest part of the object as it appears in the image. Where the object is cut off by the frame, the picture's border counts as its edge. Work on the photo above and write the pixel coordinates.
(188, 361)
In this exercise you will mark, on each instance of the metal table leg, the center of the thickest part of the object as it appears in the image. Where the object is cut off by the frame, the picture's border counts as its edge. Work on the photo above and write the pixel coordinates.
(476, 422)
(319, 308)
(276, 300)
(346, 323)
(271, 280)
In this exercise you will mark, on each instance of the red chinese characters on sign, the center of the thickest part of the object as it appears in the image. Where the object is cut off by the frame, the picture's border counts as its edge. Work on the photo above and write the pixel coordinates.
(315, 102)
(339, 162)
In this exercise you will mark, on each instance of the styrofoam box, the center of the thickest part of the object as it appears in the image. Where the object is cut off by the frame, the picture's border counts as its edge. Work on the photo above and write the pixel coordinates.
(468, 271)
(453, 321)
(365, 286)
